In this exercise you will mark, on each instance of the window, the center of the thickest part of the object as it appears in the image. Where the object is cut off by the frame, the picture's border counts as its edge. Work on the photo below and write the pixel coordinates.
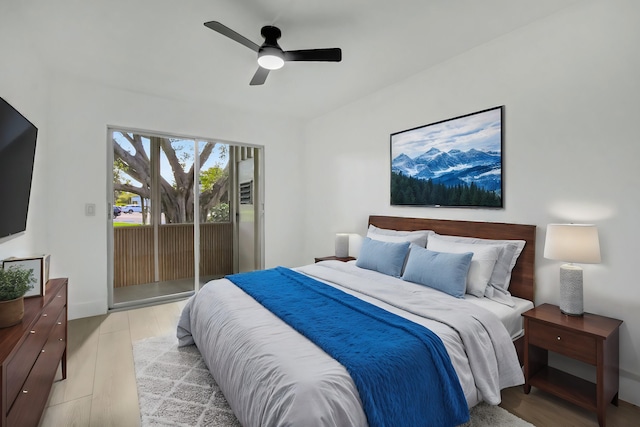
(246, 193)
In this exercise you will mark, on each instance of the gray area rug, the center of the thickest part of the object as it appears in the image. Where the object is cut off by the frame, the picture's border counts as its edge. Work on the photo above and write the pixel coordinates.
(176, 389)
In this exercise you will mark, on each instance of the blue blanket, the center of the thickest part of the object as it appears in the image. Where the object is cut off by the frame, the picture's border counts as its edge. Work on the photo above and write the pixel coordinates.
(402, 371)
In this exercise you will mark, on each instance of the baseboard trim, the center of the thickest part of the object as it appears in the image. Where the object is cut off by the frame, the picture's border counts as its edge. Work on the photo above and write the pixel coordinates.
(629, 387)
(87, 309)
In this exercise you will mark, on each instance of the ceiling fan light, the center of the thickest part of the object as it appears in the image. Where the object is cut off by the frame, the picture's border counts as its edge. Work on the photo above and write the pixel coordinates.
(271, 59)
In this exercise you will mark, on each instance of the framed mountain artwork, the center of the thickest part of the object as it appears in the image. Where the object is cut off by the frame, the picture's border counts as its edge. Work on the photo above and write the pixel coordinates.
(454, 163)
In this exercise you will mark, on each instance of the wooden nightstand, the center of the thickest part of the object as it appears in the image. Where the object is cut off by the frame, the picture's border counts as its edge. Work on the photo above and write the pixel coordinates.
(590, 338)
(329, 258)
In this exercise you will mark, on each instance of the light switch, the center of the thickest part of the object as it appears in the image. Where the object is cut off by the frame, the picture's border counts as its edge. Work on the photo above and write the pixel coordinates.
(90, 209)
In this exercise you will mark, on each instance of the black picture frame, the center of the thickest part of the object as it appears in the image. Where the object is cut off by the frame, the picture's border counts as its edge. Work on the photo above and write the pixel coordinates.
(455, 162)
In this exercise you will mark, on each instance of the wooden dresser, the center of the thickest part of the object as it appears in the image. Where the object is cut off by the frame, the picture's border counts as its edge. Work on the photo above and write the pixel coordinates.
(30, 353)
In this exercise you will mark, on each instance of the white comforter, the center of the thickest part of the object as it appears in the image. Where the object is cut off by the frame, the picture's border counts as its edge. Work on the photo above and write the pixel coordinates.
(273, 376)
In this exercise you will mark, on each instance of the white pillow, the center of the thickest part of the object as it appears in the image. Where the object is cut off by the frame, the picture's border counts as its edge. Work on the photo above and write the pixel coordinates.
(418, 237)
(482, 263)
(511, 250)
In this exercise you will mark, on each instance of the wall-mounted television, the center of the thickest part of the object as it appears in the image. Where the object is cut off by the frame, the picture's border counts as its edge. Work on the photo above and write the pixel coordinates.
(17, 151)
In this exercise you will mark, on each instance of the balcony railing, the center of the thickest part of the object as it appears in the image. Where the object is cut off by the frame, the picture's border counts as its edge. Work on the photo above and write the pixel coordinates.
(133, 261)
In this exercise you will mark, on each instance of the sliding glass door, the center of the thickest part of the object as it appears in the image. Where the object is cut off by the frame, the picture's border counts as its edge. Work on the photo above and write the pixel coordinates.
(161, 187)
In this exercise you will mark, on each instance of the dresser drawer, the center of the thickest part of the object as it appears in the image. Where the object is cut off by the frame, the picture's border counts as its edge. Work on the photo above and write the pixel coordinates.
(35, 391)
(59, 332)
(58, 302)
(571, 344)
(19, 366)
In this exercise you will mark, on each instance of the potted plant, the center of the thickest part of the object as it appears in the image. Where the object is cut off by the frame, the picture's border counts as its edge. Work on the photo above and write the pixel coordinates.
(14, 283)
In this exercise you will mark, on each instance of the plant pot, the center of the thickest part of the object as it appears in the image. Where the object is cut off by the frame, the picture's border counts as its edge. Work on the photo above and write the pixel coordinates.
(11, 312)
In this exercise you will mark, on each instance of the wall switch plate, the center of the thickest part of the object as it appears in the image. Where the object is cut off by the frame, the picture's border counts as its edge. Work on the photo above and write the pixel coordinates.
(90, 209)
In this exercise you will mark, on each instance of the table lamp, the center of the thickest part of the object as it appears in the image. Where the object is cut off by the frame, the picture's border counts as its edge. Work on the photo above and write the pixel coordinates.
(572, 243)
(342, 245)
(348, 245)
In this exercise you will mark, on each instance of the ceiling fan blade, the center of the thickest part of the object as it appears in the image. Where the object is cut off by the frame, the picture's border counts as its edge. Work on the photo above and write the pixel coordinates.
(228, 32)
(326, 55)
(259, 77)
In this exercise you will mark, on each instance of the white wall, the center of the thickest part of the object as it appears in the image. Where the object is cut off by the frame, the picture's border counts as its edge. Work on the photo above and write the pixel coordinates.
(71, 167)
(80, 112)
(570, 88)
(72, 114)
(23, 85)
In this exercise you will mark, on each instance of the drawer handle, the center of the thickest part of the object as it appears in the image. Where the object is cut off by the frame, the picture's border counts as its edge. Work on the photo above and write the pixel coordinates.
(59, 296)
(25, 391)
(60, 339)
(59, 323)
(42, 351)
(44, 315)
(558, 338)
(32, 332)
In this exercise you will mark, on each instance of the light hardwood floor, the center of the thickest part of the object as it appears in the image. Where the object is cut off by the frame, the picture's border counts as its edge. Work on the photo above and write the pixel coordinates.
(100, 389)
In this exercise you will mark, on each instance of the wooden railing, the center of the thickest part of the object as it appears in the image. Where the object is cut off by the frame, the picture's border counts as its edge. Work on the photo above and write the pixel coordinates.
(133, 259)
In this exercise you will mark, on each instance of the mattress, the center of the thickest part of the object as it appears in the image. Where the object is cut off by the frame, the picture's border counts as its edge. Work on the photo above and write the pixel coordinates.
(511, 317)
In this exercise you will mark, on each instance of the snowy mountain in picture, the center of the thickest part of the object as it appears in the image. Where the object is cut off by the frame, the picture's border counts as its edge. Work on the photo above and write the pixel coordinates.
(484, 168)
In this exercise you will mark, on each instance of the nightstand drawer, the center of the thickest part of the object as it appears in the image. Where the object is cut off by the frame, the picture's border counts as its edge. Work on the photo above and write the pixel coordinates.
(571, 344)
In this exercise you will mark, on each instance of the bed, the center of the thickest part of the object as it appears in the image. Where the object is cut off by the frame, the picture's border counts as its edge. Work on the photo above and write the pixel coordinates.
(273, 375)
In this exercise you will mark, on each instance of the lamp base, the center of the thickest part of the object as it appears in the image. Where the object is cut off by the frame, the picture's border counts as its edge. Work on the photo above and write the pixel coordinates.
(571, 299)
(571, 314)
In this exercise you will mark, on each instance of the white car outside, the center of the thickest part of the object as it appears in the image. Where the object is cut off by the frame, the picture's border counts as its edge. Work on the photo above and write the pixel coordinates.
(131, 208)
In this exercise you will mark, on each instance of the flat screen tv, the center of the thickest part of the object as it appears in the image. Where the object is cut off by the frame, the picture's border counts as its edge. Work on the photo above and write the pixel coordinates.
(17, 152)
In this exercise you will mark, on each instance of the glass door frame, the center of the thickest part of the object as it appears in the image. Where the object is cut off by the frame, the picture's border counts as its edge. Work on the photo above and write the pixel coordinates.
(259, 237)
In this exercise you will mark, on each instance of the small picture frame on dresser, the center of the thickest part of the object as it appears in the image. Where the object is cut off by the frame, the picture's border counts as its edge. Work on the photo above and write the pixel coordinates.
(39, 265)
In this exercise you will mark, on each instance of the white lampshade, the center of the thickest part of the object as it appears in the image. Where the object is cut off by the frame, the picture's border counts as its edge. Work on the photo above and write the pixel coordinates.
(355, 243)
(572, 243)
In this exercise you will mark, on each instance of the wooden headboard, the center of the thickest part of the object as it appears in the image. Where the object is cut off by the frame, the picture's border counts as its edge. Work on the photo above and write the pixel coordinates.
(522, 277)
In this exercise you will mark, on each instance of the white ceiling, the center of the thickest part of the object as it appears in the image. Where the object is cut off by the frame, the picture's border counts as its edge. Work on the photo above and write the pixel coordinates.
(161, 47)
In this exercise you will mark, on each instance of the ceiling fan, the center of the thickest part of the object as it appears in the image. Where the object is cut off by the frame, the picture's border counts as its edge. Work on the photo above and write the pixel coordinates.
(270, 54)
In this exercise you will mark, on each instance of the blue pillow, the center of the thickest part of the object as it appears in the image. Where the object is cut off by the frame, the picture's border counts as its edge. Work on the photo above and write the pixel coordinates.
(384, 257)
(443, 271)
